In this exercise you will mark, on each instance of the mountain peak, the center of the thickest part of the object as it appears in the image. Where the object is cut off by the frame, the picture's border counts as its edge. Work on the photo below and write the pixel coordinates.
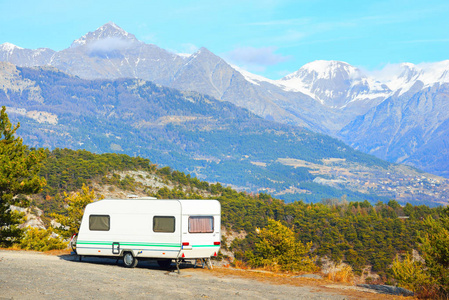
(333, 83)
(9, 47)
(109, 30)
(203, 54)
(203, 51)
(335, 73)
(111, 25)
(328, 69)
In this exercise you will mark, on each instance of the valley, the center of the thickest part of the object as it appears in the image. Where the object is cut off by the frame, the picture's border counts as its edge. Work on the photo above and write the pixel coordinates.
(194, 133)
(319, 130)
(371, 112)
(402, 183)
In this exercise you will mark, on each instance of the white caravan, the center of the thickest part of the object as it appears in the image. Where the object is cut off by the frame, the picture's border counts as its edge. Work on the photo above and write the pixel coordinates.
(164, 230)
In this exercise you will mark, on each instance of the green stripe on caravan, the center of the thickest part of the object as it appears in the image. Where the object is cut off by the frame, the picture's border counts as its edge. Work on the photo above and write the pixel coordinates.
(142, 244)
(130, 244)
(150, 228)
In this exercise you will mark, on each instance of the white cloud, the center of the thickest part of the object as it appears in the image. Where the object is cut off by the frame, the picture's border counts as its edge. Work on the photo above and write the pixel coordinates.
(388, 72)
(109, 44)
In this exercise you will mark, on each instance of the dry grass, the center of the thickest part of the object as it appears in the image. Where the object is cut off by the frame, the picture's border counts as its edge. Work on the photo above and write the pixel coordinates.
(12, 248)
(58, 252)
(49, 252)
(343, 274)
(318, 285)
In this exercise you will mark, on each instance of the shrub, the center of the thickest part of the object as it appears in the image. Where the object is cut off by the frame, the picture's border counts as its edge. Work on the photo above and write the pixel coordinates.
(41, 240)
(343, 274)
(278, 249)
(435, 251)
(76, 202)
(410, 274)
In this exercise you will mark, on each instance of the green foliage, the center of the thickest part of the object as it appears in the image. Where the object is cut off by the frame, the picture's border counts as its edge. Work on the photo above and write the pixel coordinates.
(67, 170)
(19, 169)
(356, 232)
(410, 274)
(176, 193)
(229, 138)
(435, 250)
(76, 202)
(41, 240)
(276, 247)
(128, 183)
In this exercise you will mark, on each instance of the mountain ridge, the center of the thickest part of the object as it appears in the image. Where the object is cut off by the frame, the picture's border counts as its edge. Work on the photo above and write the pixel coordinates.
(323, 104)
(215, 140)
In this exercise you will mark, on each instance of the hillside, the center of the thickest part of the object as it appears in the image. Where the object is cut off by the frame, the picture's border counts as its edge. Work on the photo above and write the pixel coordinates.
(365, 236)
(409, 128)
(330, 97)
(214, 140)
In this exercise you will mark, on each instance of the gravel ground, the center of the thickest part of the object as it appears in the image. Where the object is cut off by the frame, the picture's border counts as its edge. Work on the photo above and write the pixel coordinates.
(32, 275)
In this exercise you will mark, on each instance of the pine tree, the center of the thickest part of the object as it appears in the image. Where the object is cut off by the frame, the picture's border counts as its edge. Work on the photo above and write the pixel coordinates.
(76, 203)
(277, 248)
(435, 250)
(18, 176)
(410, 273)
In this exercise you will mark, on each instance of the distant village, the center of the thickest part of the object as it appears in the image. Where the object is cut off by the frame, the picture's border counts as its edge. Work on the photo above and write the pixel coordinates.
(406, 188)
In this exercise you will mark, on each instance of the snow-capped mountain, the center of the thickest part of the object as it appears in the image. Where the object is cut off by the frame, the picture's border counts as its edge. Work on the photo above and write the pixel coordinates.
(324, 96)
(111, 52)
(107, 31)
(337, 85)
(25, 57)
(403, 77)
(410, 127)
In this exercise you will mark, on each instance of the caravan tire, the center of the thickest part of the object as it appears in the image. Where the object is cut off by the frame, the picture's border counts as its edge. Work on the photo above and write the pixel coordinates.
(129, 260)
(164, 263)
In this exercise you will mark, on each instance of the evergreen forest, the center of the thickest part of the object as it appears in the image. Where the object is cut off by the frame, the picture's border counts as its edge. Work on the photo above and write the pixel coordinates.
(357, 233)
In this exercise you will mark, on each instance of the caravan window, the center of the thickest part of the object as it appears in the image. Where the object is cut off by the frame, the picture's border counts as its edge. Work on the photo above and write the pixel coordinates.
(201, 224)
(163, 224)
(99, 222)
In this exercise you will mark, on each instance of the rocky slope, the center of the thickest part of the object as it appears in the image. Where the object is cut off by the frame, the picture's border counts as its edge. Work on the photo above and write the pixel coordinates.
(215, 140)
(324, 96)
(407, 128)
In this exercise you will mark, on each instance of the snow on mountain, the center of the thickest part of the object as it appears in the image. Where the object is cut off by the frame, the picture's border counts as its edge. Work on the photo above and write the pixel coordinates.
(334, 83)
(253, 78)
(8, 47)
(323, 69)
(184, 55)
(329, 89)
(107, 31)
(337, 84)
(402, 77)
(24, 57)
(434, 72)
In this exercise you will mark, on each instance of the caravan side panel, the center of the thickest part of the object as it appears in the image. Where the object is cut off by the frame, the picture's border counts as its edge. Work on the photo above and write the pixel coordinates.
(132, 228)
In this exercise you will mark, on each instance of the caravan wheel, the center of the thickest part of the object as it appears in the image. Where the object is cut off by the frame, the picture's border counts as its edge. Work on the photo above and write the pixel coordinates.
(129, 260)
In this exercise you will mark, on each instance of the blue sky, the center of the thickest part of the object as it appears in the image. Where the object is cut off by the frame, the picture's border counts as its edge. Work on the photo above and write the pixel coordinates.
(267, 37)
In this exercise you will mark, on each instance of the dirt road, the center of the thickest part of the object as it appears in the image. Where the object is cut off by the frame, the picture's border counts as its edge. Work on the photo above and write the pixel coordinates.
(31, 275)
